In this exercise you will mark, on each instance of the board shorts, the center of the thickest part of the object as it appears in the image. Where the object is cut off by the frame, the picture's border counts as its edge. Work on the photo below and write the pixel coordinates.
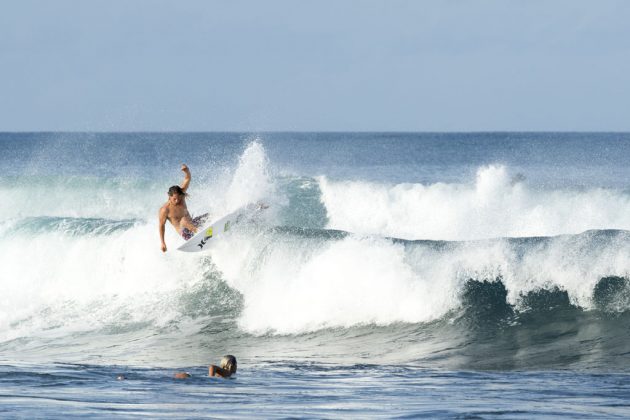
(197, 221)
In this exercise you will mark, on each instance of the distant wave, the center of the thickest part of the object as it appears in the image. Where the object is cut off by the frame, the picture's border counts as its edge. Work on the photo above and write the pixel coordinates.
(71, 226)
(496, 205)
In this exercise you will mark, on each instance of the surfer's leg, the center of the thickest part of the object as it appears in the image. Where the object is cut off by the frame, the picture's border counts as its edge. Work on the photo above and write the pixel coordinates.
(199, 220)
(187, 234)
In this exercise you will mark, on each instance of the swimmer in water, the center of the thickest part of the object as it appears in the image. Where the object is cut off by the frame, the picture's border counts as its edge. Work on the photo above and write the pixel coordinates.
(227, 369)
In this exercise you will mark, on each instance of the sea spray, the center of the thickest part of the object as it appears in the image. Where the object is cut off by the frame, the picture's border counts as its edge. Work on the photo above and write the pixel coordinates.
(251, 180)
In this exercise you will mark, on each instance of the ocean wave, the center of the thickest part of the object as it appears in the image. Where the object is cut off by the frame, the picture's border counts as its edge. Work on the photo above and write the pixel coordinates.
(437, 302)
(70, 226)
(497, 204)
(294, 280)
(336, 279)
(439, 272)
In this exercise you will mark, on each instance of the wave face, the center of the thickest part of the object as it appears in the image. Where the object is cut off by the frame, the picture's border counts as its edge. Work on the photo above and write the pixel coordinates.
(437, 267)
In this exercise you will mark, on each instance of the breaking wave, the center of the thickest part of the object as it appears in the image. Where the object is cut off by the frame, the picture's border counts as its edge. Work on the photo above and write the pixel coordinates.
(496, 204)
(403, 272)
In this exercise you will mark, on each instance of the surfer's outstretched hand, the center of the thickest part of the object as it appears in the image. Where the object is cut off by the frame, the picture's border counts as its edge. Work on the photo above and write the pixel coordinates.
(185, 168)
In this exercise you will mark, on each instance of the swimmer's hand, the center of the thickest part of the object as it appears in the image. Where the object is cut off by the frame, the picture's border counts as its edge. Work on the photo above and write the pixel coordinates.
(163, 247)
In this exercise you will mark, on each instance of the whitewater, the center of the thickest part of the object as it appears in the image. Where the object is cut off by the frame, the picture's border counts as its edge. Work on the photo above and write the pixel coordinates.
(439, 264)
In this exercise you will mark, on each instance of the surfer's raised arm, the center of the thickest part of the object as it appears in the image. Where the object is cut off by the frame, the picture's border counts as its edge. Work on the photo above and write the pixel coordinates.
(162, 217)
(186, 182)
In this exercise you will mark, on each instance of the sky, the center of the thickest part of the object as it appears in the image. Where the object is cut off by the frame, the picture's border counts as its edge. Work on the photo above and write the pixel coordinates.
(342, 65)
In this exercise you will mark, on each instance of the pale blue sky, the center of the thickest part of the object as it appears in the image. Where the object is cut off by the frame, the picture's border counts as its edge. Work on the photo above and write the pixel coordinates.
(447, 65)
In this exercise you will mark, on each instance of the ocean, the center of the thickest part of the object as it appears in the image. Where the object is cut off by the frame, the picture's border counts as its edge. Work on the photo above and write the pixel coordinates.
(394, 275)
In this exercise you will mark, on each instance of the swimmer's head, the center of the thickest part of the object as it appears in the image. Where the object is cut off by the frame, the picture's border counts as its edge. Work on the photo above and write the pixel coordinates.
(229, 363)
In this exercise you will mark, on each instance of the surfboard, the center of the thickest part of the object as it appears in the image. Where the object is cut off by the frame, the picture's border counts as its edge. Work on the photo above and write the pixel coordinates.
(212, 231)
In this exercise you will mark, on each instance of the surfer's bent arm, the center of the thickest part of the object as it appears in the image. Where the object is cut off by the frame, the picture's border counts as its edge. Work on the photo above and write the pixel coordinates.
(162, 217)
(186, 182)
(217, 371)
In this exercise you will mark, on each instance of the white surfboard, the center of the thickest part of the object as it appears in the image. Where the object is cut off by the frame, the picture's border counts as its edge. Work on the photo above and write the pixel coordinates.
(210, 232)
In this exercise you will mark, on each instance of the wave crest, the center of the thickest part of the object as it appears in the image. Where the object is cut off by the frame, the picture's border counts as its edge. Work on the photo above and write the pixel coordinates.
(495, 205)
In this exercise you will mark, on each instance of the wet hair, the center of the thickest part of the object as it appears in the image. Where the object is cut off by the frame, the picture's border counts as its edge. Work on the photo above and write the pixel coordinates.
(228, 362)
(176, 189)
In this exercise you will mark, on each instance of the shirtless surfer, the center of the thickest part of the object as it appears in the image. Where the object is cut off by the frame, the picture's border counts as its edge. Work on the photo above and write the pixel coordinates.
(176, 212)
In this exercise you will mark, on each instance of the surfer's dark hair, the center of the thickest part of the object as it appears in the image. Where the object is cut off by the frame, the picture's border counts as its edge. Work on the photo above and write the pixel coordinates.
(176, 189)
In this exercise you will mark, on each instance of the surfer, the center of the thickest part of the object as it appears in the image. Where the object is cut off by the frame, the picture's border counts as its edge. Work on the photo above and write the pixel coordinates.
(227, 369)
(176, 212)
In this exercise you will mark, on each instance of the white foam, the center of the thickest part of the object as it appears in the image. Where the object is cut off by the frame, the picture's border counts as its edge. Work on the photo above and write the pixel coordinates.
(493, 206)
(89, 281)
(292, 285)
(58, 281)
(297, 287)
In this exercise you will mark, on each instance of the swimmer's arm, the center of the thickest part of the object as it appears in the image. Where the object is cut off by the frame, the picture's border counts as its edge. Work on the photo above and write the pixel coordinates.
(186, 182)
(162, 220)
(217, 371)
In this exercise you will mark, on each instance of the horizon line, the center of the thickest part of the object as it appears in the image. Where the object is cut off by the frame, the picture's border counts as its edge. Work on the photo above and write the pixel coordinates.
(314, 132)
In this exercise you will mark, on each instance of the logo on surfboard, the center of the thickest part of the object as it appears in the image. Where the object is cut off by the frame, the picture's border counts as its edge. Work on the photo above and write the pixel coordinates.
(202, 243)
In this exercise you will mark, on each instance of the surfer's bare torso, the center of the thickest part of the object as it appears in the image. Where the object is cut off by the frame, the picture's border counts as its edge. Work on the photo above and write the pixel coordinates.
(178, 214)
(175, 210)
